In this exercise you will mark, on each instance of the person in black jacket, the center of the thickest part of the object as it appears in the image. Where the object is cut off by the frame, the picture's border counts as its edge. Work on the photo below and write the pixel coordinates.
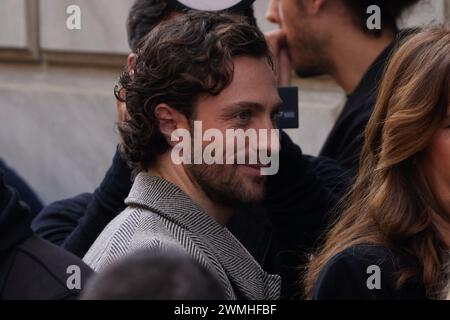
(30, 267)
(393, 239)
(332, 38)
(277, 234)
(25, 191)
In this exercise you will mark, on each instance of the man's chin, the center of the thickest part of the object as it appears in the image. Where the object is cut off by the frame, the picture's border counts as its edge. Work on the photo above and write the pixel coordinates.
(309, 72)
(253, 189)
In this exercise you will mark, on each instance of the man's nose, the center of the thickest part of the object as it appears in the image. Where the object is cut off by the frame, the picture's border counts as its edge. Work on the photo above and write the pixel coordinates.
(266, 123)
(264, 129)
(268, 141)
(273, 12)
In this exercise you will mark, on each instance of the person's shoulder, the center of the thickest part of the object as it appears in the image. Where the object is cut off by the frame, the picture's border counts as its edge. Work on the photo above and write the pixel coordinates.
(365, 253)
(151, 230)
(357, 259)
(155, 231)
(134, 228)
(41, 270)
(43, 250)
(113, 241)
(365, 272)
(130, 219)
(390, 259)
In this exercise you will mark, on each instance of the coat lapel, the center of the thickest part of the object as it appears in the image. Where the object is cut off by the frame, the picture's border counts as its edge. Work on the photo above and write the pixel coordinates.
(169, 201)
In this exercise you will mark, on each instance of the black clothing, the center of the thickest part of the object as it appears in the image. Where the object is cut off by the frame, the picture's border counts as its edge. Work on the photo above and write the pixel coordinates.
(26, 193)
(346, 276)
(30, 267)
(277, 234)
(299, 202)
(67, 213)
(346, 139)
(75, 223)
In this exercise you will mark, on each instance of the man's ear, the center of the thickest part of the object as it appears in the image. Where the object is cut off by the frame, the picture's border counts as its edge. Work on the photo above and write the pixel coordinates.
(313, 7)
(131, 59)
(169, 120)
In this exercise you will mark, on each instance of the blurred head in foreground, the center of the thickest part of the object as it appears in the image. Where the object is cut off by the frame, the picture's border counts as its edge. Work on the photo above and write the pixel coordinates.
(149, 275)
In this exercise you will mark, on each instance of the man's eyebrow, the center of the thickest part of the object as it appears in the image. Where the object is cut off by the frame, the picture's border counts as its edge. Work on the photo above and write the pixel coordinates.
(256, 106)
(247, 104)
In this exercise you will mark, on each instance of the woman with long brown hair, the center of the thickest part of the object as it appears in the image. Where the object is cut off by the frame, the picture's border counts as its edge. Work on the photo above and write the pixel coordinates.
(393, 240)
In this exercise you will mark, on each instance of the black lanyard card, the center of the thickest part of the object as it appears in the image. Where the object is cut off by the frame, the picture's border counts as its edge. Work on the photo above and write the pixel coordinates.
(290, 114)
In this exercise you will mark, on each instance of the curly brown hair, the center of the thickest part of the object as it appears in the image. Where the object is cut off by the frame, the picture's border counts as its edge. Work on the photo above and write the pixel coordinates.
(181, 59)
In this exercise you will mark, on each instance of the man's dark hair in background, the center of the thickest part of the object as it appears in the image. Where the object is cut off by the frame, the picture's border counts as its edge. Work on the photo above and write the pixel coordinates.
(154, 275)
(147, 14)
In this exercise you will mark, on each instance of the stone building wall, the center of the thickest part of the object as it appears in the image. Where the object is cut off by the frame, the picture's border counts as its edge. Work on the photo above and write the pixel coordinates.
(57, 109)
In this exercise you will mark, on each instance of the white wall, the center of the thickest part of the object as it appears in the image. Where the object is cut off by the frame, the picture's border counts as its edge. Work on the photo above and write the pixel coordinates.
(13, 29)
(102, 28)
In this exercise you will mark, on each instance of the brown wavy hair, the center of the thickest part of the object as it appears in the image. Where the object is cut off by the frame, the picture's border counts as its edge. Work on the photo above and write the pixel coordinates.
(180, 60)
(391, 204)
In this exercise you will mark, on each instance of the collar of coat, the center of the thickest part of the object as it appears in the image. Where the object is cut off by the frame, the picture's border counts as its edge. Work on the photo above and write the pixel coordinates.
(169, 201)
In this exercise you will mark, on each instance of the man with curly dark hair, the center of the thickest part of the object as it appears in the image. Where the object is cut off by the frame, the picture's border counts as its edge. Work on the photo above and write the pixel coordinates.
(277, 233)
(75, 223)
(208, 68)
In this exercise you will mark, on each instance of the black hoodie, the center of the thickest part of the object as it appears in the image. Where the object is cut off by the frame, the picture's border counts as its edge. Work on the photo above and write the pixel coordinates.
(30, 267)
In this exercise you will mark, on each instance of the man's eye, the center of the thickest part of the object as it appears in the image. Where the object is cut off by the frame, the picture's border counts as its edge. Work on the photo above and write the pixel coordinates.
(244, 116)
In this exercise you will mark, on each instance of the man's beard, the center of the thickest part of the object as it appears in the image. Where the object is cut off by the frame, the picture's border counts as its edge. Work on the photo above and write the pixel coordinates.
(312, 65)
(309, 57)
(224, 184)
